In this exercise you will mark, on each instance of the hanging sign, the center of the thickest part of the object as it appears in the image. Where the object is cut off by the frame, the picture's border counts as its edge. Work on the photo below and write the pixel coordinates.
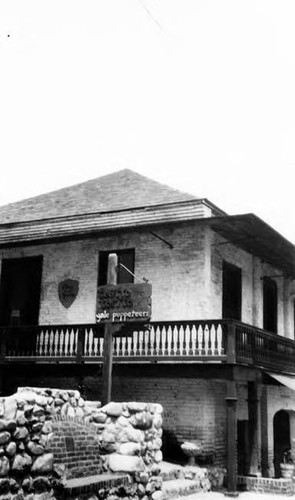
(124, 303)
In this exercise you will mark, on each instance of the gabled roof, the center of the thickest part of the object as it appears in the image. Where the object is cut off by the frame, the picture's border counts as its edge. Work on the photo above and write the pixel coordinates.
(121, 190)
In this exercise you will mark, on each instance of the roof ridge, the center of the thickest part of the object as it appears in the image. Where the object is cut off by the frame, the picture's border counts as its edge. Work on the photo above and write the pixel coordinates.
(123, 189)
(102, 177)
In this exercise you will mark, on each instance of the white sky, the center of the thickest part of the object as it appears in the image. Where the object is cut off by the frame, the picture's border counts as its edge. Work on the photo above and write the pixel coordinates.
(198, 94)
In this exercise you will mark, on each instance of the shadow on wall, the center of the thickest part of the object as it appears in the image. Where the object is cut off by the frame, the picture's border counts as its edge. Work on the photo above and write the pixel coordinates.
(171, 449)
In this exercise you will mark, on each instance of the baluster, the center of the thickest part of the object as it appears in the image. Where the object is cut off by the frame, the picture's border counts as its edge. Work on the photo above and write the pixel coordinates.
(177, 341)
(158, 340)
(140, 342)
(66, 340)
(90, 342)
(212, 345)
(190, 339)
(169, 340)
(124, 346)
(129, 346)
(72, 340)
(200, 339)
(136, 343)
(145, 342)
(164, 338)
(75, 350)
(117, 350)
(101, 339)
(153, 341)
(206, 340)
(51, 340)
(56, 343)
(219, 340)
(46, 339)
(95, 346)
(41, 343)
(173, 340)
(148, 342)
(194, 337)
(181, 340)
(120, 345)
(187, 334)
(86, 342)
(132, 344)
(37, 343)
(62, 342)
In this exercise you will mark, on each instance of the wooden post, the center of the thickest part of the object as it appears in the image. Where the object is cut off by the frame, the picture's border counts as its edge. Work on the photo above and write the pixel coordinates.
(254, 426)
(231, 410)
(231, 343)
(108, 337)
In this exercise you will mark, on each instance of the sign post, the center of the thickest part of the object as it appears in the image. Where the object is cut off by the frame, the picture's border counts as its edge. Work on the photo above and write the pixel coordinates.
(119, 304)
(108, 337)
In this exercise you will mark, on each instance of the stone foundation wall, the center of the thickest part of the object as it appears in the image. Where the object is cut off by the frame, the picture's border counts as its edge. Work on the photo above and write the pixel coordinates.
(48, 434)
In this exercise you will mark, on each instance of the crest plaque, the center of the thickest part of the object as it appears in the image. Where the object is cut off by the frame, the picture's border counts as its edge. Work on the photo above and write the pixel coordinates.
(67, 292)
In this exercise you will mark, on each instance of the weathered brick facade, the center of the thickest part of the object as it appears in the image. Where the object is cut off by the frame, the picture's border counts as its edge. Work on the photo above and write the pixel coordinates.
(186, 279)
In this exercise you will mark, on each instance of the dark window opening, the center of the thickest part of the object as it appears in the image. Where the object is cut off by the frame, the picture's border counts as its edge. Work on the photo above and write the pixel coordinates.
(231, 291)
(270, 305)
(281, 438)
(243, 447)
(20, 291)
(126, 258)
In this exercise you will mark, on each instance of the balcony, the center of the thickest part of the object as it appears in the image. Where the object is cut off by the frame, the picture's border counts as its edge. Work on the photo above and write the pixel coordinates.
(217, 341)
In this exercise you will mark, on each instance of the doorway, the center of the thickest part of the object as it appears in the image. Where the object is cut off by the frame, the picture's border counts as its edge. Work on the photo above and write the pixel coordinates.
(270, 305)
(243, 447)
(20, 291)
(281, 438)
(231, 291)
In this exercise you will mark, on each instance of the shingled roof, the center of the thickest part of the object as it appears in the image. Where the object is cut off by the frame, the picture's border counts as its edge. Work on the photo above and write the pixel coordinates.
(121, 190)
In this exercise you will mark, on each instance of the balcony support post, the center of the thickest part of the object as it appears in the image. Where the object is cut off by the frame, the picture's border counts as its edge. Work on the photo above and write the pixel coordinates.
(254, 394)
(231, 343)
(231, 411)
(266, 469)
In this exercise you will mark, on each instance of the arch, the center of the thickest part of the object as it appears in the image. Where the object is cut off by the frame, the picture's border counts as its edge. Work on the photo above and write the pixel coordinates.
(283, 435)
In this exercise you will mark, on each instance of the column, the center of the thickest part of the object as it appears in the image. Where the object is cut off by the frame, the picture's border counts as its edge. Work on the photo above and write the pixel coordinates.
(231, 410)
(254, 393)
(266, 472)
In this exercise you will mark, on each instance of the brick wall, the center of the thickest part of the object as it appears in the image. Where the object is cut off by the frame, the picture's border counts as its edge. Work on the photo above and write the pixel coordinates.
(77, 447)
(187, 279)
(193, 408)
(164, 267)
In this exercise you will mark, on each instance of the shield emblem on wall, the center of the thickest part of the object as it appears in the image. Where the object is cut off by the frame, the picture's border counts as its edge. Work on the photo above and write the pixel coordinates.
(67, 292)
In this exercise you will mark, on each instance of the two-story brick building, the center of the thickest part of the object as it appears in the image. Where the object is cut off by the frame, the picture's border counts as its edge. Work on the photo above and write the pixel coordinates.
(220, 351)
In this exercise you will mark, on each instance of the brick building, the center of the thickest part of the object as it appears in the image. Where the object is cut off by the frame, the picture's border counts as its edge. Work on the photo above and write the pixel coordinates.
(219, 352)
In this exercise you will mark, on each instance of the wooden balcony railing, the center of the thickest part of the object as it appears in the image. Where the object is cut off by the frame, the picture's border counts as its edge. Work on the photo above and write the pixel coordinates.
(225, 341)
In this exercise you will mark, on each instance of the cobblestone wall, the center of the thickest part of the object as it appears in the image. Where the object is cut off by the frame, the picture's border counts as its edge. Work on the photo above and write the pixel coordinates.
(49, 434)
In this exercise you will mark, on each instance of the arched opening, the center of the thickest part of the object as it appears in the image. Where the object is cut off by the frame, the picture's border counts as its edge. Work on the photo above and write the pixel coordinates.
(282, 438)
